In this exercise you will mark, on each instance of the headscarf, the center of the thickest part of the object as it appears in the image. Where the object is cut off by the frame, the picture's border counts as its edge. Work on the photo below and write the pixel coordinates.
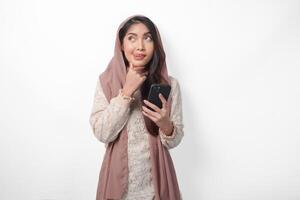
(113, 178)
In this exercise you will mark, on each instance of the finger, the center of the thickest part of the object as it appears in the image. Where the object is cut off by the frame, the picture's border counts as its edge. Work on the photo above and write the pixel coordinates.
(163, 100)
(151, 105)
(151, 113)
(149, 116)
(130, 65)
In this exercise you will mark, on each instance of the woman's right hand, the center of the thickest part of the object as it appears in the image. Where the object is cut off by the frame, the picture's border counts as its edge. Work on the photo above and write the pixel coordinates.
(134, 78)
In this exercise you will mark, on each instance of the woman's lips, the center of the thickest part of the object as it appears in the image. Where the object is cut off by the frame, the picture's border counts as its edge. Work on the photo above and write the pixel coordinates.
(139, 56)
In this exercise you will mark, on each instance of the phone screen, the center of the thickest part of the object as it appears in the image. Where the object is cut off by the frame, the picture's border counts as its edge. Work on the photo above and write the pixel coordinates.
(155, 89)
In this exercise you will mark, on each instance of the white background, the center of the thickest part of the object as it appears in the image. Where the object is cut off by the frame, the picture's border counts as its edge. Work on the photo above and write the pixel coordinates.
(237, 63)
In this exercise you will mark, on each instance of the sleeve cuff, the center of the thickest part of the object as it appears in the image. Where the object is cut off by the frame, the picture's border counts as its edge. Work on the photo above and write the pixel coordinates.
(123, 98)
(168, 137)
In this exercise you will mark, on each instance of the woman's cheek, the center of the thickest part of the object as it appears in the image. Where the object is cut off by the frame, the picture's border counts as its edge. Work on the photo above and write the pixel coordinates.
(129, 55)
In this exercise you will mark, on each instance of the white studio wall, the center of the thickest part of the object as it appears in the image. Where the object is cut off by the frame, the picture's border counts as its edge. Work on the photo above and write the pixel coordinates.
(237, 63)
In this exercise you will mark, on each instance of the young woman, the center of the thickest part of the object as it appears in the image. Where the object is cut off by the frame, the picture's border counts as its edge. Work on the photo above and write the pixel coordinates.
(137, 134)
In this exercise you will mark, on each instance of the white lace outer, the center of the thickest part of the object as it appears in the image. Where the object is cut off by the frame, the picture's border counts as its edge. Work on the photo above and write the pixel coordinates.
(108, 119)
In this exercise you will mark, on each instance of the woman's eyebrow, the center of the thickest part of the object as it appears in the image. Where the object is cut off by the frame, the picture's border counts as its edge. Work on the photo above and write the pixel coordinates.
(136, 34)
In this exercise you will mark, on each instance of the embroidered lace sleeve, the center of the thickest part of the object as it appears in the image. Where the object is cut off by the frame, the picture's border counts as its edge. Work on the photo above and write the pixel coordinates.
(108, 119)
(175, 116)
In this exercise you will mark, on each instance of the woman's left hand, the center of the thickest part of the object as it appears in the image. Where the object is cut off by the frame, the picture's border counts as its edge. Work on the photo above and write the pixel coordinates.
(159, 116)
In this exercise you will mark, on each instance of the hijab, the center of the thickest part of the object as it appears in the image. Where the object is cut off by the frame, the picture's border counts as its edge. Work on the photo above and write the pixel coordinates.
(113, 178)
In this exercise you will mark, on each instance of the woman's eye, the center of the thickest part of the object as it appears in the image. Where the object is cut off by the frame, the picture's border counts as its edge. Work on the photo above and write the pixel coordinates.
(130, 38)
(149, 38)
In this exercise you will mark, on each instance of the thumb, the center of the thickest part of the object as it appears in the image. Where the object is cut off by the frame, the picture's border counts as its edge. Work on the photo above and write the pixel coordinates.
(130, 65)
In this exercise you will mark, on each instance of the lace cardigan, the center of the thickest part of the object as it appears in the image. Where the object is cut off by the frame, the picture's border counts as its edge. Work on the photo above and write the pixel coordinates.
(107, 120)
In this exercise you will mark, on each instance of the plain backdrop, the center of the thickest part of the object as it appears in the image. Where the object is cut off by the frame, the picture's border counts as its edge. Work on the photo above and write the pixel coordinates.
(237, 63)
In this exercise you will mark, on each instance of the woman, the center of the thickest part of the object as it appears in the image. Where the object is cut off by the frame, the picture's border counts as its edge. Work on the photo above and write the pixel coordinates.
(137, 163)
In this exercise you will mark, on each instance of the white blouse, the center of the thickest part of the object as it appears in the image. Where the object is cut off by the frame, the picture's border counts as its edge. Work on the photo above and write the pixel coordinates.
(108, 119)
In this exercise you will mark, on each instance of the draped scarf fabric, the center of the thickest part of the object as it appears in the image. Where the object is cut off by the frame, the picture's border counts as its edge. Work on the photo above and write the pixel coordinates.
(113, 178)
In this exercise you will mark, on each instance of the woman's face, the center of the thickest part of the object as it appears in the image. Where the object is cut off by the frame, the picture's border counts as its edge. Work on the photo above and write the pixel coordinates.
(138, 45)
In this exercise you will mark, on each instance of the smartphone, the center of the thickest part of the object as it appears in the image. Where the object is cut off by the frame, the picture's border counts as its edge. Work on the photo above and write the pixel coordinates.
(154, 91)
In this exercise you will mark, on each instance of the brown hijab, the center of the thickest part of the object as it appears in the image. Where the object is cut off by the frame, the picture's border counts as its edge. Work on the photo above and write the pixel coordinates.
(113, 177)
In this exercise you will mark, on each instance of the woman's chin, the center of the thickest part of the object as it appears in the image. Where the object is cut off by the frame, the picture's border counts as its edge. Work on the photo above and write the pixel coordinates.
(139, 63)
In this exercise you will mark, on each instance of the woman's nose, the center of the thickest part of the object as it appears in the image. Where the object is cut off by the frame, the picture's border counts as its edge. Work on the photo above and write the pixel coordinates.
(140, 45)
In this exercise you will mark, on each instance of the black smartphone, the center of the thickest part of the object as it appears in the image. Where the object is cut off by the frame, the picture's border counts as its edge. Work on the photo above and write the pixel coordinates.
(154, 91)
